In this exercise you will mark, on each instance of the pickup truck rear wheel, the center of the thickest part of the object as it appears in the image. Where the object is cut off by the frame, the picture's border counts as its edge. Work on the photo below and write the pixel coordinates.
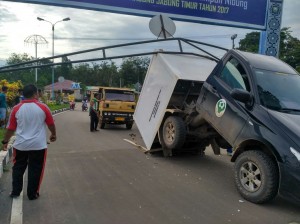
(174, 132)
(256, 176)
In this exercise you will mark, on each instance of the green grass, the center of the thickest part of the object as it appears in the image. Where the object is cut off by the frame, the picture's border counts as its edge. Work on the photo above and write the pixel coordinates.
(53, 107)
(2, 132)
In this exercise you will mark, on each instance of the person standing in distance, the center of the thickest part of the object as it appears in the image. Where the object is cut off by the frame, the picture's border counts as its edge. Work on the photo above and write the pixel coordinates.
(19, 97)
(94, 107)
(29, 120)
(3, 106)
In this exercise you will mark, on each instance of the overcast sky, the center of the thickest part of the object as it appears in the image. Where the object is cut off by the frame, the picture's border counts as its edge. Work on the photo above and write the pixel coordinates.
(90, 29)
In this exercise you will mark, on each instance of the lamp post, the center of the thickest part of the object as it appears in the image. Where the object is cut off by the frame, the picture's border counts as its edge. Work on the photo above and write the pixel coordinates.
(232, 38)
(53, 25)
(35, 39)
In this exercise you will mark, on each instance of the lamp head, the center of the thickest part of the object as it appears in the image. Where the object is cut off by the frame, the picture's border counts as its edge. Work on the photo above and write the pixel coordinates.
(66, 19)
(233, 36)
(39, 18)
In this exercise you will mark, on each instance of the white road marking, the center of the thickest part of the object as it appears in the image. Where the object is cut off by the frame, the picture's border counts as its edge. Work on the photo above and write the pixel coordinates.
(17, 210)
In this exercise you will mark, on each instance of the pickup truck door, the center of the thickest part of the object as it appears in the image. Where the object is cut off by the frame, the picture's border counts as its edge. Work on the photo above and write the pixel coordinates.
(225, 114)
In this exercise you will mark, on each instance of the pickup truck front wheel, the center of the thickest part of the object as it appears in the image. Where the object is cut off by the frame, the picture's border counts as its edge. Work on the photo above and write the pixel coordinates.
(174, 132)
(256, 176)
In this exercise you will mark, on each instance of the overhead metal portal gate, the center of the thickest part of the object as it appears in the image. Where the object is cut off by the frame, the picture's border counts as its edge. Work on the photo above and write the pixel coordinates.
(264, 15)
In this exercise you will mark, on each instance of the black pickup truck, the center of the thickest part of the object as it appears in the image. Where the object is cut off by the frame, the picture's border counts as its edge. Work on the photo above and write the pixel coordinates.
(245, 101)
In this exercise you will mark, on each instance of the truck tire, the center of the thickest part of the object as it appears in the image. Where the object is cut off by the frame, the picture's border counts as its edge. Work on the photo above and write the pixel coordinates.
(102, 125)
(174, 132)
(128, 126)
(161, 137)
(256, 176)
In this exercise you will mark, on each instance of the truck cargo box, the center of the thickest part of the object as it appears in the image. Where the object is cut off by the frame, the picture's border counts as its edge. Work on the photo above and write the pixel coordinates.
(163, 73)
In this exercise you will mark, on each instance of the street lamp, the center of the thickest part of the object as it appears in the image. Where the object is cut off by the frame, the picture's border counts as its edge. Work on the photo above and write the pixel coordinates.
(232, 38)
(53, 24)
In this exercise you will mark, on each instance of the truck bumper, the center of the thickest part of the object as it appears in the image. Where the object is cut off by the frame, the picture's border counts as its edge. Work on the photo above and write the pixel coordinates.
(117, 118)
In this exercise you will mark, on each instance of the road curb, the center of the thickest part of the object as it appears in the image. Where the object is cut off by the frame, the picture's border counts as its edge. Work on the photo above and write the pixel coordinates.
(6, 155)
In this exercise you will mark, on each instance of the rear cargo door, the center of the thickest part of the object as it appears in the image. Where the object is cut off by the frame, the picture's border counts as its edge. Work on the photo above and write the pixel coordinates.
(162, 76)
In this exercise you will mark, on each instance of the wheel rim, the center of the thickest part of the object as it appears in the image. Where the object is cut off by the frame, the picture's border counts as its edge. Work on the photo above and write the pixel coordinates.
(250, 176)
(170, 132)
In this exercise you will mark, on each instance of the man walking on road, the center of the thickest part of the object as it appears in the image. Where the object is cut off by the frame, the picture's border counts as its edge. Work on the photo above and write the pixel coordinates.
(29, 120)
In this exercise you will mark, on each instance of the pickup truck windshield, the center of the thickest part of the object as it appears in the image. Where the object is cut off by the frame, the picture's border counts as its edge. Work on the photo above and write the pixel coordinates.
(278, 91)
(119, 95)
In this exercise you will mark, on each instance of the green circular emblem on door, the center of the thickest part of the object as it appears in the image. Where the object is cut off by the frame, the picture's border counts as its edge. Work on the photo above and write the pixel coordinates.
(220, 107)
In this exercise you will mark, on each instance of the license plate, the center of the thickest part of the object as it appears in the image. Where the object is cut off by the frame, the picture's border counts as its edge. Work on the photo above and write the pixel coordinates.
(120, 118)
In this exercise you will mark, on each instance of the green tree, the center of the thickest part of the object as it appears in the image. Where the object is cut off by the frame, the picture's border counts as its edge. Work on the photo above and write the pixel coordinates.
(24, 75)
(289, 50)
(133, 70)
(27, 76)
(18, 58)
(65, 69)
(105, 73)
(250, 43)
(44, 73)
(82, 73)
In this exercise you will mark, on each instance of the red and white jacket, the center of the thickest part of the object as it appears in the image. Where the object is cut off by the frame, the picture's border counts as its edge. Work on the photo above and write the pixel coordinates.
(30, 119)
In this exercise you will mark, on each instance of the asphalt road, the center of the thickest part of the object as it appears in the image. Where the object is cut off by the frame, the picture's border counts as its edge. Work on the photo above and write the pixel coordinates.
(99, 178)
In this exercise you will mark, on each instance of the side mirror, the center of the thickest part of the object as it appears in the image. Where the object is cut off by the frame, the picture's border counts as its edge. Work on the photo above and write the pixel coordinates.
(242, 96)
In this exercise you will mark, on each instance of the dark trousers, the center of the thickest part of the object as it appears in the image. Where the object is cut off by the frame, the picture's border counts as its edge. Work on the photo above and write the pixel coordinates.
(94, 120)
(35, 160)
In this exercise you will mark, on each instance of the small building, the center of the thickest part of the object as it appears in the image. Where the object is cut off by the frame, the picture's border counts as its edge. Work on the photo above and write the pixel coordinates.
(65, 87)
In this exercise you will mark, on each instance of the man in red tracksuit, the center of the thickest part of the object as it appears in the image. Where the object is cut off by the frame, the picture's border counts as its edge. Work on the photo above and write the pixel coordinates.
(29, 120)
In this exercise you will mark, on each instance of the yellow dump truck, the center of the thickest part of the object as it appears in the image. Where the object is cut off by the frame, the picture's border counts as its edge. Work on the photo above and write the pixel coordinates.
(116, 106)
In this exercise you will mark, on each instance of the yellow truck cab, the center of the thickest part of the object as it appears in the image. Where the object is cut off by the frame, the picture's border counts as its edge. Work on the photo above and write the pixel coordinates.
(116, 106)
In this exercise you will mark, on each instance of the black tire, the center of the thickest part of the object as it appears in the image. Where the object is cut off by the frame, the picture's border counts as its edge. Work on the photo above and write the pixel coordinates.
(102, 125)
(128, 126)
(256, 176)
(161, 137)
(174, 132)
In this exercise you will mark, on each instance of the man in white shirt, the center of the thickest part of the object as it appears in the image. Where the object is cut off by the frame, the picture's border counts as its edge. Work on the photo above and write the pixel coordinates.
(29, 121)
